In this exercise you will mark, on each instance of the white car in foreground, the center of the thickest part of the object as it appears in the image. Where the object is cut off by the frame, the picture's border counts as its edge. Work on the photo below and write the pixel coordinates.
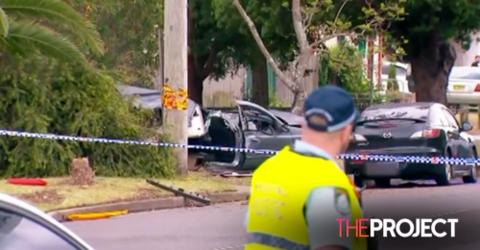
(25, 227)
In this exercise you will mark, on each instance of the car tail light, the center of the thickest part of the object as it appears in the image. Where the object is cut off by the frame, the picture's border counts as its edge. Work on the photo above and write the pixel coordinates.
(426, 133)
(477, 88)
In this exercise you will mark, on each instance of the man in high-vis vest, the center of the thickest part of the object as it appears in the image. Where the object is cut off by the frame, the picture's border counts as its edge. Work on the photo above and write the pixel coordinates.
(297, 195)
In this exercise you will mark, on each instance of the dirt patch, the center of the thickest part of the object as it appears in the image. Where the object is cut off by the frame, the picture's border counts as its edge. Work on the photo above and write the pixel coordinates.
(146, 194)
(42, 197)
(81, 173)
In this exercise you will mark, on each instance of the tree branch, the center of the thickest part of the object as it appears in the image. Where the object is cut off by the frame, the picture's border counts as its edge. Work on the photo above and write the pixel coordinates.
(298, 27)
(208, 67)
(256, 36)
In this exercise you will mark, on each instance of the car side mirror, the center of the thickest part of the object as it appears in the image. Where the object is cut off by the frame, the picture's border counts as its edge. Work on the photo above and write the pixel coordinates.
(466, 126)
(285, 128)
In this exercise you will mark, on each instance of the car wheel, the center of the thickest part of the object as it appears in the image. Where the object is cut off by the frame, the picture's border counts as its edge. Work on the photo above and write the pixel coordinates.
(359, 182)
(382, 183)
(472, 177)
(443, 178)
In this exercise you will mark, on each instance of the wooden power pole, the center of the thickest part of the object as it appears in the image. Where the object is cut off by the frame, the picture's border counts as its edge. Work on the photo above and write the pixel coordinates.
(175, 75)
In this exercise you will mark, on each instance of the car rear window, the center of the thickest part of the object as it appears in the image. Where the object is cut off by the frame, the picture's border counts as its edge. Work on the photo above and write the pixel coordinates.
(396, 114)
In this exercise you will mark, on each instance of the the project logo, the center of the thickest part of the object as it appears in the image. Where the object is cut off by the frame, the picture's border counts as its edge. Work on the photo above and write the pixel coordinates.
(404, 228)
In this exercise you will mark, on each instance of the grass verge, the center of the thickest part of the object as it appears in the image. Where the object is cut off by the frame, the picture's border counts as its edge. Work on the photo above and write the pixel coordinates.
(59, 194)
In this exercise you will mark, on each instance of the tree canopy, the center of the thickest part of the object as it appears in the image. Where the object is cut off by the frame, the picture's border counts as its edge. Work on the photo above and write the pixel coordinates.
(312, 23)
(425, 33)
(51, 27)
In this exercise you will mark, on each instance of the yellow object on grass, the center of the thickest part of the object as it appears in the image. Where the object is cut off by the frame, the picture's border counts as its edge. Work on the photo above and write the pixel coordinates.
(95, 216)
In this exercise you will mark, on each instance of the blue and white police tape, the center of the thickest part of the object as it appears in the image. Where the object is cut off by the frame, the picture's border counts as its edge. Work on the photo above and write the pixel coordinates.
(390, 158)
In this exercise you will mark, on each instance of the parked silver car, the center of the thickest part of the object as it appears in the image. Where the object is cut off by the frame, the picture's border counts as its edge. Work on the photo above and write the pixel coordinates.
(464, 86)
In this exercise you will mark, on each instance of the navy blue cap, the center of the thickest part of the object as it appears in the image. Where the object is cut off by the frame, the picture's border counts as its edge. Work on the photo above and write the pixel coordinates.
(329, 108)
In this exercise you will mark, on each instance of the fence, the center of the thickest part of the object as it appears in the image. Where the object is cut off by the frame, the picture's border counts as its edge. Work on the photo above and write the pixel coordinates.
(223, 92)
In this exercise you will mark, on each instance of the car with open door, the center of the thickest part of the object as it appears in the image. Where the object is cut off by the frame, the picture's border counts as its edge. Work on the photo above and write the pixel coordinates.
(251, 127)
(24, 227)
(248, 126)
(410, 129)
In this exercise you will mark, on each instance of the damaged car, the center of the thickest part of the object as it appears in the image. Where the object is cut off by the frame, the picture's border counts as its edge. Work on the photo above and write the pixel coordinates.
(248, 126)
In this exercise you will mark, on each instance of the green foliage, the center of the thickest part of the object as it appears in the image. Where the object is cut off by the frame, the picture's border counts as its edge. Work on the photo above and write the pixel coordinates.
(427, 23)
(344, 64)
(47, 97)
(273, 20)
(57, 35)
(392, 83)
(129, 30)
(275, 102)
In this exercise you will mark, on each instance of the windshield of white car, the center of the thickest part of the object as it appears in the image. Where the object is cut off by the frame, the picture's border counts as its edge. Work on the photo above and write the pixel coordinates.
(465, 73)
(21, 233)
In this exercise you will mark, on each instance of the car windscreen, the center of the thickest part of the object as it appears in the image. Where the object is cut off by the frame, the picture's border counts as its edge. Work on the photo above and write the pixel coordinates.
(395, 114)
(465, 73)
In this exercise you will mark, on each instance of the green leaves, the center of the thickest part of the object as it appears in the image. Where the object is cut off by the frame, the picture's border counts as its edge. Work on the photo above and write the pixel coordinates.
(425, 20)
(41, 95)
(47, 27)
(3, 23)
(60, 14)
(25, 36)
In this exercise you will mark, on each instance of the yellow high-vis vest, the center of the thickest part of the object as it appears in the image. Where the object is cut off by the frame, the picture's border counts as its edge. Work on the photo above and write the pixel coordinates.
(280, 188)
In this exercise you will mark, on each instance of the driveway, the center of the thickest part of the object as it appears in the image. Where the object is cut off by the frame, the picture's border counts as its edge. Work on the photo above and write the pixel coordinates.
(221, 227)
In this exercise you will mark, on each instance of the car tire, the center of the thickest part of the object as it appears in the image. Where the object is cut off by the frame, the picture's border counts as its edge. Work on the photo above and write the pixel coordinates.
(445, 176)
(359, 182)
(382, 183)
(472, 177)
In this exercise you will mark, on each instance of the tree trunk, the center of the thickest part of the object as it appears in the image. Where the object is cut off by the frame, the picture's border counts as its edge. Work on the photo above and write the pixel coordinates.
(298, 102)
(195, 82)
(430, 72)
(259, 90)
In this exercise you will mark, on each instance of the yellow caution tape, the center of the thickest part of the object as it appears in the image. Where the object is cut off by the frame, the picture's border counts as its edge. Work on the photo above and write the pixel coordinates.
(172, 99)
(94, 216)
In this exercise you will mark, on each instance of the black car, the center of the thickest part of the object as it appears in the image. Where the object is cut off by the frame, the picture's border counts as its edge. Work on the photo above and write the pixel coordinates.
(410, 129)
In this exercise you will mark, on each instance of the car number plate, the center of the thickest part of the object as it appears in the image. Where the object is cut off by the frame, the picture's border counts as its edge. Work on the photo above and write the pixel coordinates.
(458, 87)
(379, 168)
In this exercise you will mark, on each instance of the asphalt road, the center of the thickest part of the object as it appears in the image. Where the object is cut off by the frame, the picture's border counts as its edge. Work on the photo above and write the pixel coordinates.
(221, 227)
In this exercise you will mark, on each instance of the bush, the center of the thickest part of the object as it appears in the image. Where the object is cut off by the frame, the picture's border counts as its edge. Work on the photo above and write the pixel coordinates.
(342, 65)
(45, 97)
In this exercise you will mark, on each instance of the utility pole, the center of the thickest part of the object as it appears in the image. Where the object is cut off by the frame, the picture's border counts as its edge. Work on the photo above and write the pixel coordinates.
(175, 76)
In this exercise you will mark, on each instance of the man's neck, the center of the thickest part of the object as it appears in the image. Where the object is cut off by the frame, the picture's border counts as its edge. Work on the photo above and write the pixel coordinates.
(328, 147)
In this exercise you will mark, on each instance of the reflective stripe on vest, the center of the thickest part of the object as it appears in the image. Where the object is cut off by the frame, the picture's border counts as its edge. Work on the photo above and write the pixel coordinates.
(275, 241)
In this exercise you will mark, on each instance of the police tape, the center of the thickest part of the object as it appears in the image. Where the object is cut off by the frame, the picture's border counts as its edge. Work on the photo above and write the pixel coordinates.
(348, 156)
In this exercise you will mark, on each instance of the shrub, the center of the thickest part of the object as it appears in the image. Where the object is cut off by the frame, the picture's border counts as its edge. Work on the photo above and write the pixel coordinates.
(45, 97)
(342, 65)
(392, 83)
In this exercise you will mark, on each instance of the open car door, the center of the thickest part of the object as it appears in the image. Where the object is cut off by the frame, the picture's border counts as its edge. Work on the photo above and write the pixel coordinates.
(262, 131)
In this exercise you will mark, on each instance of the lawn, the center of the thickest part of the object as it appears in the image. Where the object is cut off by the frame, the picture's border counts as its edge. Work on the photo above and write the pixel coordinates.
(59, 193)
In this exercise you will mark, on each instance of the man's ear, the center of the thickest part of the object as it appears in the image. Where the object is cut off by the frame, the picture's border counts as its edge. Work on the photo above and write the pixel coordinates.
(347, 132)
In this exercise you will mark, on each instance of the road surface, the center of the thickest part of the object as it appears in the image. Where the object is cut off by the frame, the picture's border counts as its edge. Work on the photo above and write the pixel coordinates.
(221, 226)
